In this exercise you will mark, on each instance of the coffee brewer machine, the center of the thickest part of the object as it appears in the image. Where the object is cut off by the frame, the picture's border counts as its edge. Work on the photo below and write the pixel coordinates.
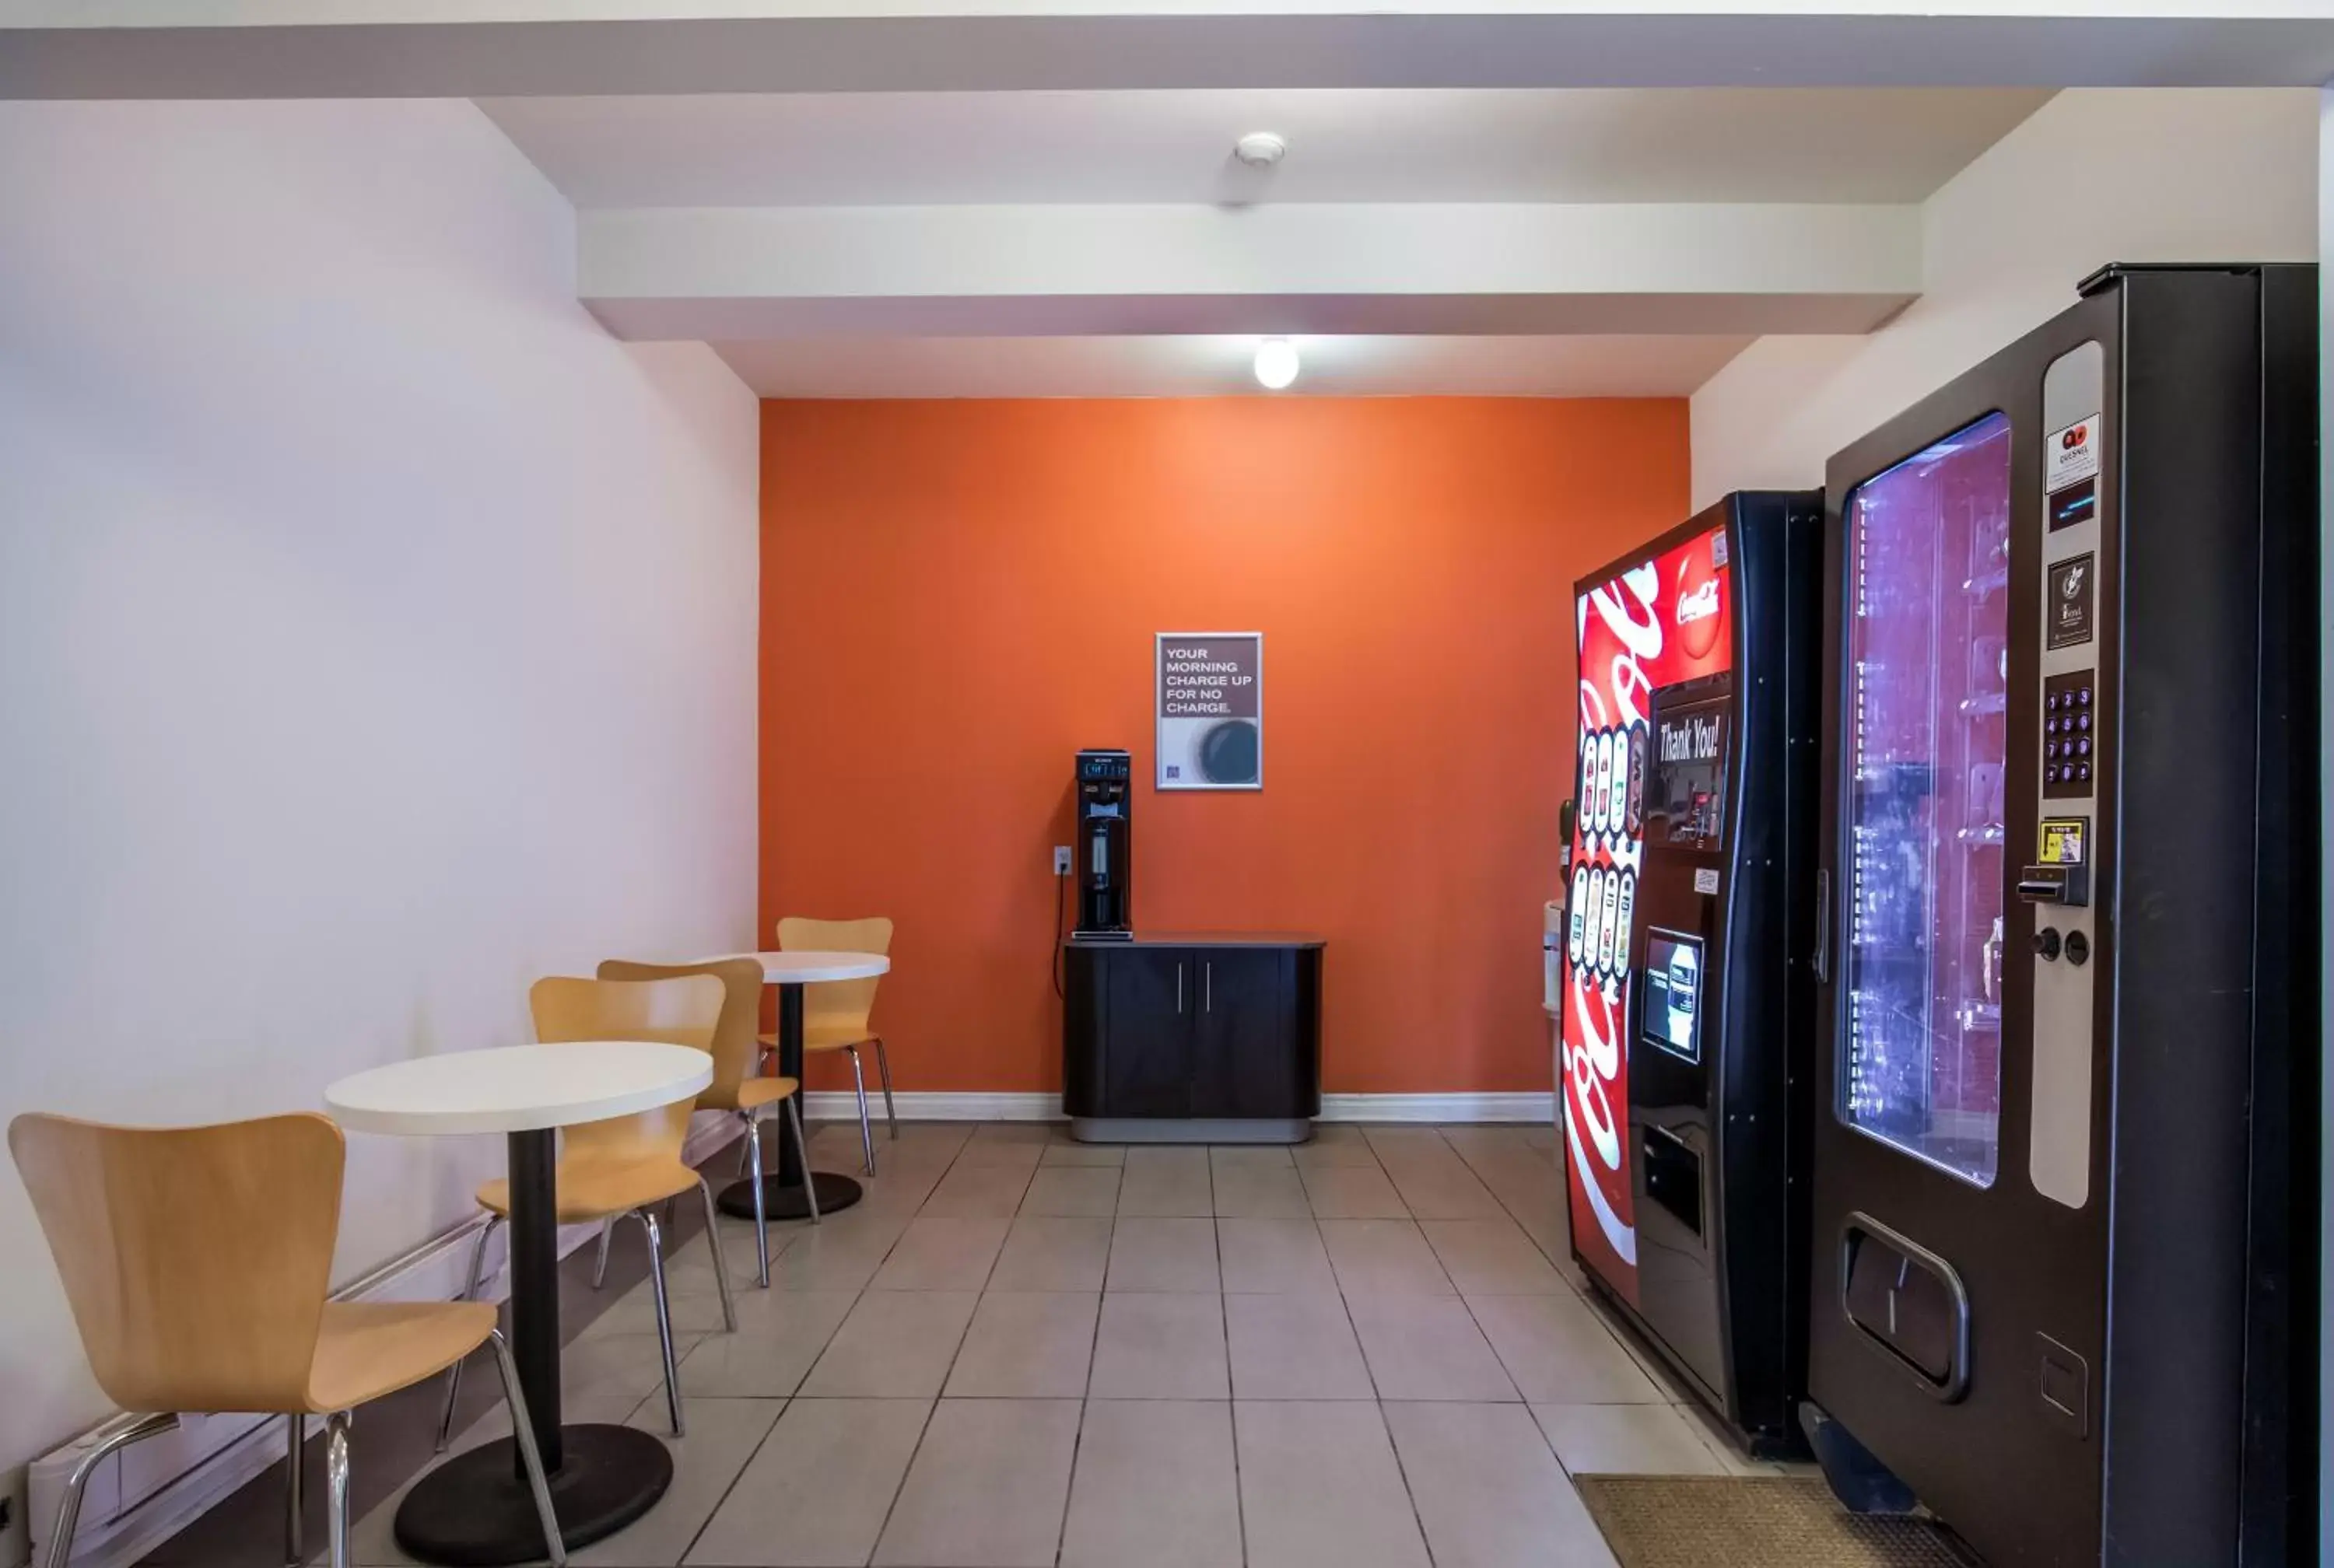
(1105, 793)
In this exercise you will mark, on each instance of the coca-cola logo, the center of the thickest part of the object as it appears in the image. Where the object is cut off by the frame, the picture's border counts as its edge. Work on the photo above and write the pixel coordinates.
(1622, 638)
(1699, 605)
(1621, 700)
(1698, 596)
(1591, 1073)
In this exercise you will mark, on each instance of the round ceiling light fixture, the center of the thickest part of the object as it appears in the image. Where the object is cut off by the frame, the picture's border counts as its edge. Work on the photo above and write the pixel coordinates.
(1259, 150)
(1276, 364)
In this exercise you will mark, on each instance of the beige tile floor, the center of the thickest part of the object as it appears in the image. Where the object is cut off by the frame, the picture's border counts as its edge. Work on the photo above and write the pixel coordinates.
(1020, 1352)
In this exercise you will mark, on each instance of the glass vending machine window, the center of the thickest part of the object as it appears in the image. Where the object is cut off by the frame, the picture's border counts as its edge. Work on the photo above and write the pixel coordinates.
(1686, 805)
(1928, 608)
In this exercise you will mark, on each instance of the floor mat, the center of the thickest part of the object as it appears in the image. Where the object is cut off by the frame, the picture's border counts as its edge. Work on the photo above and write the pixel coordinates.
(1753, 1521)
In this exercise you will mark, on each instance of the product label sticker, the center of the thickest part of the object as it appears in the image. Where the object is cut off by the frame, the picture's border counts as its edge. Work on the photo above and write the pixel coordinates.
(2072, 456)
(2072, 581)
(1705, 880)
(2062, 841)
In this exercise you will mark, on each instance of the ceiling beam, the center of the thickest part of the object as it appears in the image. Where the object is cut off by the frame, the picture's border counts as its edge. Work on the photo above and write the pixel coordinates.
(744, 272)
(532, 48)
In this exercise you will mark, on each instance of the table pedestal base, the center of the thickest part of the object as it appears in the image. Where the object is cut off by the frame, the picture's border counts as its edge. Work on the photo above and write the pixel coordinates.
(475, 1511)
(783, 1200)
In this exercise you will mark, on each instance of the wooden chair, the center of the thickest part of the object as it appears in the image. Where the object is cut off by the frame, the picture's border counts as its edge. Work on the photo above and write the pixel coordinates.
(735, 1088)
(197, 1262)
(626, 1167)
(836, 1012)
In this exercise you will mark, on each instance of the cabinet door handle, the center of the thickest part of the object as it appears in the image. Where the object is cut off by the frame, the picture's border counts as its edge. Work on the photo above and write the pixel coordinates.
(1178, 990)
(1209, 1003)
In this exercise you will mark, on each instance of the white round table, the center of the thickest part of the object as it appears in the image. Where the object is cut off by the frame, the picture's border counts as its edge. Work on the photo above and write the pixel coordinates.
(790, 970)
(476, 1509)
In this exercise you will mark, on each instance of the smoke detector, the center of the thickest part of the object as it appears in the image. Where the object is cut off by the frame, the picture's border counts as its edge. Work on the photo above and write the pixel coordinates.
(1259, 150)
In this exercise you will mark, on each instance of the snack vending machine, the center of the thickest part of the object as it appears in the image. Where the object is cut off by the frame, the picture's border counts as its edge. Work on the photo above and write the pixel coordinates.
(1686, 959)
(2065, 1222)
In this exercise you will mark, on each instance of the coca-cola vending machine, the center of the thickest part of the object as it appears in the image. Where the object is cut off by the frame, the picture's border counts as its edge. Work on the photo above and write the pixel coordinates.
(1687, 929)
(2065, 1223)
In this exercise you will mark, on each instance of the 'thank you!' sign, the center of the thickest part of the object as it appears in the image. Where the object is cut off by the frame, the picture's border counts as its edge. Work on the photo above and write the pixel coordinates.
(1210, 710)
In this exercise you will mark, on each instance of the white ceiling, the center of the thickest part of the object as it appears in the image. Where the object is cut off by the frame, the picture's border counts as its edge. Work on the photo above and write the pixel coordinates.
(1046, 243)
(1208, 366)
(1703, 169)
(1563, 145)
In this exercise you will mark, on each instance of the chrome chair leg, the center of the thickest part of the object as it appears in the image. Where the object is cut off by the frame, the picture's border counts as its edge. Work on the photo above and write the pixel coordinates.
(802, 1147)
(600, 1264)
(60, 1550)
(469, 1293)
(721, 1263)
(883, 1071)
(647, 1219)
(867, 1128)
(523, 1428)
(295, 1501)
(336, 1487)
(761, 1223)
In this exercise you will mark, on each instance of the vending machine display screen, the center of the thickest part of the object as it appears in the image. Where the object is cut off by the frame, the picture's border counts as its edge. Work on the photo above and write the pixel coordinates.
(1672, 993)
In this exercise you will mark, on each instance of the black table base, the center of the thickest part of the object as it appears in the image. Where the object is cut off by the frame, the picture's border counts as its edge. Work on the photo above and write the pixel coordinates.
(782, 1194)
(783, 1200)
(475, 1510)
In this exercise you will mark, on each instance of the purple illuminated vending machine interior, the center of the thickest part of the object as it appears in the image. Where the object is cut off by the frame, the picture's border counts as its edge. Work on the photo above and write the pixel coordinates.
(1927, 667)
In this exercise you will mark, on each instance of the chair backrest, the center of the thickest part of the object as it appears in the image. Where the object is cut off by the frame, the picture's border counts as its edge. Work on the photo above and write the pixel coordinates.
(196, 1259)
(734, 1052)
(678, 1012)
(850, 1002)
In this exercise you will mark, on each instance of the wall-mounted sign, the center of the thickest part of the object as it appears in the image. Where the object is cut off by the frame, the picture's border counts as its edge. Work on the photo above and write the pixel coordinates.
(1210, 710)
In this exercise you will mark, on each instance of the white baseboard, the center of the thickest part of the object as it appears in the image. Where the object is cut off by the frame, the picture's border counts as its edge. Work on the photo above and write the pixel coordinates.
(1525, 1107)
(833, 1106)
(841, 1105)
(145, 1493)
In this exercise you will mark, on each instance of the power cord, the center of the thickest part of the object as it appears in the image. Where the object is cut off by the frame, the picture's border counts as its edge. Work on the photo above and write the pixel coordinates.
(1061, 886)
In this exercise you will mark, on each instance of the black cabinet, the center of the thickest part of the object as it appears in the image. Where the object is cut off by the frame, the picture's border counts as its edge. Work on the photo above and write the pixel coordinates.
(1147, 1070)
(1192, 1037)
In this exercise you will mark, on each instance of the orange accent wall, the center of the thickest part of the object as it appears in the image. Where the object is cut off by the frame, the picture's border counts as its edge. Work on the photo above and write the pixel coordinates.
(957, 596)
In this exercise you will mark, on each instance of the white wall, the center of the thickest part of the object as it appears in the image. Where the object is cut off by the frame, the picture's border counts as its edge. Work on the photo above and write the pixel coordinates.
(376, 635)
(2096, 176)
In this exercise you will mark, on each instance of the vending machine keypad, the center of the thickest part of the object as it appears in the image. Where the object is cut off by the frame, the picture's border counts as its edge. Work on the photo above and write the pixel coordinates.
(2069, 733)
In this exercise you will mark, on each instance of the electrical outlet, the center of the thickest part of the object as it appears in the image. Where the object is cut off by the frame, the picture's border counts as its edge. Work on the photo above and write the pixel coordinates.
(1061, 859)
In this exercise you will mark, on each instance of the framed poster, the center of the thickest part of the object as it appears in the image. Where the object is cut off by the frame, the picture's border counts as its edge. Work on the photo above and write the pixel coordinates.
(1210, 700)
